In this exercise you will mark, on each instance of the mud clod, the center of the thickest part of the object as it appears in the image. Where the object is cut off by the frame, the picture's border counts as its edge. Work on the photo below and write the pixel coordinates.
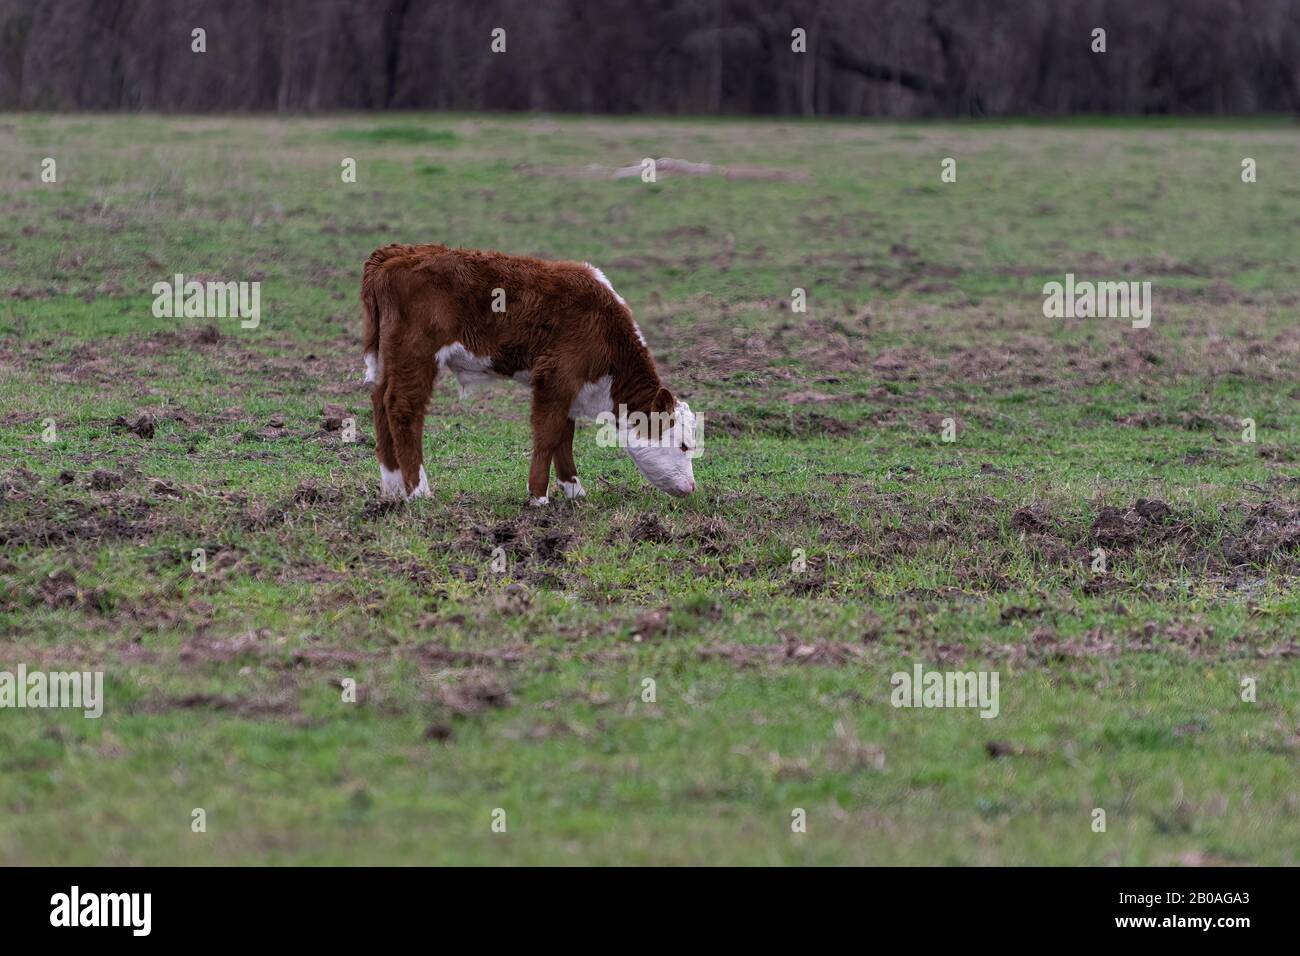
(142, 424)
(650, 624)
(649, 528)
(473, 693)
(103, 480)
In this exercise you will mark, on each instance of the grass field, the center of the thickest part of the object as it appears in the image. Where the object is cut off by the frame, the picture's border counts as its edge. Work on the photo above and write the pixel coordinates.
(525, 690)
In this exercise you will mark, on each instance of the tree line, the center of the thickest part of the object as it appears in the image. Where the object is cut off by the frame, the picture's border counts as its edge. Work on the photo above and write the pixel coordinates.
(898, 58)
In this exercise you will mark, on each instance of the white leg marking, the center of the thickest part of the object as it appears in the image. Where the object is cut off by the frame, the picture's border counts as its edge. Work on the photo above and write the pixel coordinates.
(539, 502)
(391, 485)
(422, 489)
(373, 368)
(573, 489)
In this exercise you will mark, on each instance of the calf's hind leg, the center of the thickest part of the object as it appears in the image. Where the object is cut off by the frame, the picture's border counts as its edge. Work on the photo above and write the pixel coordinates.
(390, 476)
(406, 399)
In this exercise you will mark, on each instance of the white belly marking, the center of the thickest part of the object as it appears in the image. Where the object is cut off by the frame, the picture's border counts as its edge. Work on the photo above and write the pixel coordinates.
(472, 371)
(592, 399)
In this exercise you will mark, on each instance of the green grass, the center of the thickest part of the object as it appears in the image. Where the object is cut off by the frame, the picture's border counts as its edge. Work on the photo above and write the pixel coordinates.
(523, 690)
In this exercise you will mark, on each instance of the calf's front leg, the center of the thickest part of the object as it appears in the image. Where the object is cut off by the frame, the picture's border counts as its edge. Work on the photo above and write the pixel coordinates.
(550, 415)
(566, 472)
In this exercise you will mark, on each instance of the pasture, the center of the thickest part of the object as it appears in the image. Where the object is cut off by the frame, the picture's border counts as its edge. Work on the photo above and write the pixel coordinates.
(501, 654)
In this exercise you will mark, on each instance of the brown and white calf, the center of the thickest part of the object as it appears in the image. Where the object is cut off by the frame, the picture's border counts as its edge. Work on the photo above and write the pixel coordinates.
(558, 327)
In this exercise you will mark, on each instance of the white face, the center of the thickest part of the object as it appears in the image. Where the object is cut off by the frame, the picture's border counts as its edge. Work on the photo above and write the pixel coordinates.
(664, 460)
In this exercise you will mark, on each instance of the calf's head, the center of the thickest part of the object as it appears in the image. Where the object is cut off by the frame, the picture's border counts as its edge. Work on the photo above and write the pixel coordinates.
(662, 444)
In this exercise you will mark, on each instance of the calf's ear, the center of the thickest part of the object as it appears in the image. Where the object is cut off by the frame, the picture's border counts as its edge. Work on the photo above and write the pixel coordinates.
(663, 401)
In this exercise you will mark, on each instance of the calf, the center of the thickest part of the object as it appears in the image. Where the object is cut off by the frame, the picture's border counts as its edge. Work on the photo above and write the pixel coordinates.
(558, 327)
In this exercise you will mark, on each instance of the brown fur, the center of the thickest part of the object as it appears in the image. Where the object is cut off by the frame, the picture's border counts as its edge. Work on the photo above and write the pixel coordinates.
(561, 324)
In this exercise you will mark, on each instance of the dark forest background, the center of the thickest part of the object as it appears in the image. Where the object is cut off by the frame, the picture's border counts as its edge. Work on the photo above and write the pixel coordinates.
(870, 57)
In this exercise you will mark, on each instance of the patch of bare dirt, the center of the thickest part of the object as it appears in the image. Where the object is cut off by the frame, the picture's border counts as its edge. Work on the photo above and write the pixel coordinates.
(284, 704)
(1147, 521)
(473, 692)
(792, 650)
(788, 424)
(114, 514)
(208, 649)
(648, 527)
(1271, 531)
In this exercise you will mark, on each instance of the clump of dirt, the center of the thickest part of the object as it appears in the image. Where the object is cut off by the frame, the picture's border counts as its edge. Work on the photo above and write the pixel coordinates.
(1046, 645)
(649, 528)
(473, 692)
(902, 364)
(205, 649)
(710, 535)
(225, 562)
(438, 730)
(60, 589)
(933, 423)
(997, 749)
(503, 532)
(1146, 522)
(650, 624)
(103, 480)
(165, 489)
(310, 494)
(513, 600)
(831, 345)
(1033, 520)
(261, 516)
(812, 580)
(463, 572)
(1271, 530)
(307, 493)
(1193, 637)
(332, 417)
(551, 546)
(379, 507)
(142, 424)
